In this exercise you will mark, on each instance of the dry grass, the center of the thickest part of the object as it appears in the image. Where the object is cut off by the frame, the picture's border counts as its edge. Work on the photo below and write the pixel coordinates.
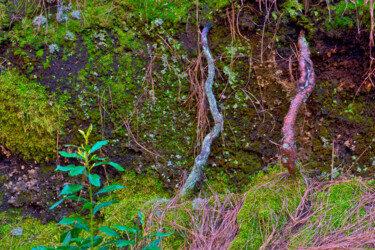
(204, 223)
(325, 220)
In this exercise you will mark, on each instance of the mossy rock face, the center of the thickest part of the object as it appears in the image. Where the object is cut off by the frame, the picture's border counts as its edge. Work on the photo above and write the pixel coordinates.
(29, 119)
(269, 201)
(134, 60)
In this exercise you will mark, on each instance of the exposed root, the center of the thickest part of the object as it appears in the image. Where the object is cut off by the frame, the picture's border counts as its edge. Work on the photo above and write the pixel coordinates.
(201, 159)
(305, 86)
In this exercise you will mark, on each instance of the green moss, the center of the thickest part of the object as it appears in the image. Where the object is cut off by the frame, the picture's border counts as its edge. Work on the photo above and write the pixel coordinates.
(34, 232)
(40, 53)
(269, 200)
(331, 212)
(28, 118)
(139, 189)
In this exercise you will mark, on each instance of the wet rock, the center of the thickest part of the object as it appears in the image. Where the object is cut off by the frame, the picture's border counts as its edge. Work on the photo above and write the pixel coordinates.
(19, 187)
(32, 173)
(13, 201)
(5, 152)
(32, 185)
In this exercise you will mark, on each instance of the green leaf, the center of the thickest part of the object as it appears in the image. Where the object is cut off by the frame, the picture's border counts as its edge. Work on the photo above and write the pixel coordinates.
(66, 248)
(151, 247)
(57, 203)
(41, 248)
(97, 146)
(73, 169)
(76, 198)
(74, 232)
(65, 168)
(94, 179)
(109, 231)
(122, 243)
(70, 155)
(87, 241)
(99, 163)
(82, 133)
(69, 220)
(109, 188)
(103, 204)
(67, 239)
(77, 170)
(77, 240)
(154, 244)
(118, 241)
(71, 188)
(158, 234)
(116, 166)
(141, 217)
(124, 228)
(88, 205)
(82, 226)
(72, 197)
(99, 159)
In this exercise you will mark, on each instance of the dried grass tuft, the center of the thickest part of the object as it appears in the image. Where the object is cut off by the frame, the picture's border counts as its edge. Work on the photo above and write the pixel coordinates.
(324, 221)
(204, 223)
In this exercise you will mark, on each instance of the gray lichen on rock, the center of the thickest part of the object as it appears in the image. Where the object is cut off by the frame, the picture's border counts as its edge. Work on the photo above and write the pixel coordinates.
(39, 20)
(76, 14)
(61, 15)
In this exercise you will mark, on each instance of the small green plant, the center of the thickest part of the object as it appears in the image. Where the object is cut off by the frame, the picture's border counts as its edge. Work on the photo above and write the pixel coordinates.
(85, 154)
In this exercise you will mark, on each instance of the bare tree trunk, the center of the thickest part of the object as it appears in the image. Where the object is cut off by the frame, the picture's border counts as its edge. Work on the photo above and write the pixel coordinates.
(201, 159)
(305, 86)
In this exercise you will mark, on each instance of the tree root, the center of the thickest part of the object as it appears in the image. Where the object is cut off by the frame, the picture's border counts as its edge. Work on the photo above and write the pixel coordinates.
(305, 86)
(201, 159)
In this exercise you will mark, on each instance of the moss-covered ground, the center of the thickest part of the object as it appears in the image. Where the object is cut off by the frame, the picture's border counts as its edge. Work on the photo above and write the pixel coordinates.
(134, 70)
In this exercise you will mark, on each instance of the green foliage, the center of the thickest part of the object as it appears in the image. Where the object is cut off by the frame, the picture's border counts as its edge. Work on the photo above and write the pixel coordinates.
(29, 120)
(141, 191)
(165, 10)
(269, 200)
(292, 8)
(348, 15)
(78, 224)
(89, 162)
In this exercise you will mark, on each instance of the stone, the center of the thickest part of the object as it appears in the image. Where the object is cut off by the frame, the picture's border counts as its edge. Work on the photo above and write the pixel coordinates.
(32, 173)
